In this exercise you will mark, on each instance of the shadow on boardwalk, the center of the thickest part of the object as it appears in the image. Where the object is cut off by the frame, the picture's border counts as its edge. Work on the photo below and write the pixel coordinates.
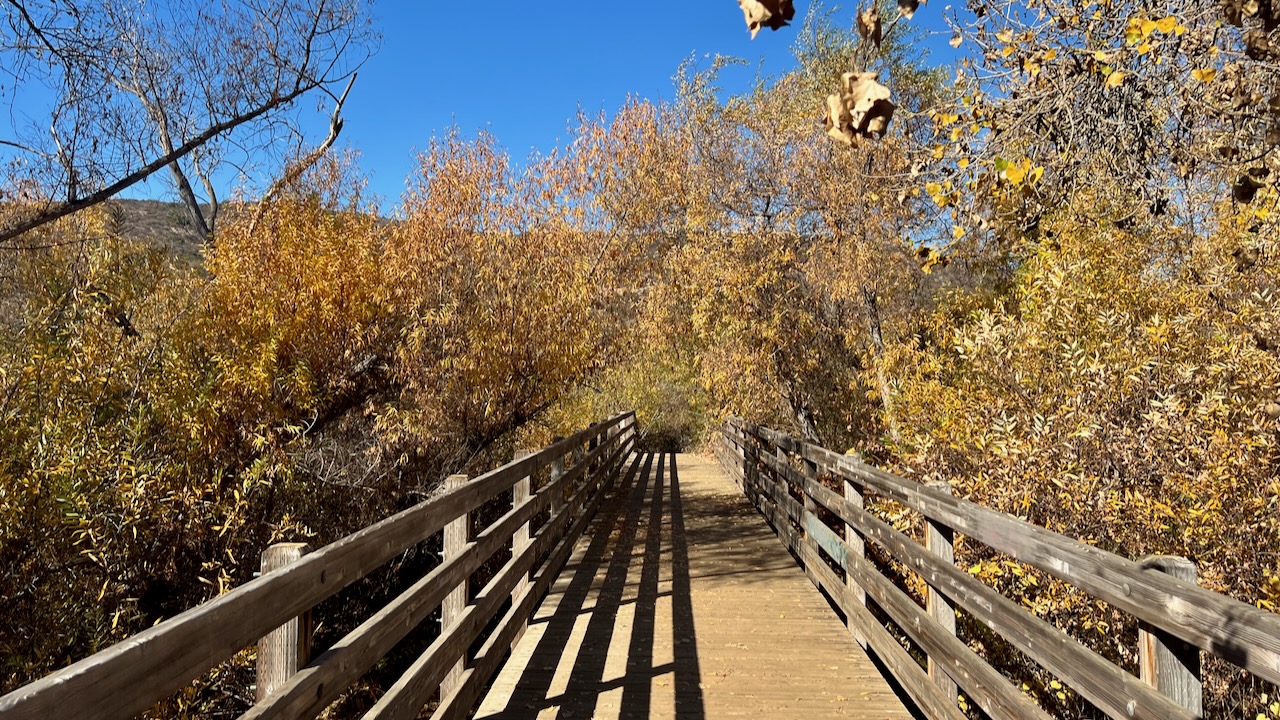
(624, 565)
(617, 635)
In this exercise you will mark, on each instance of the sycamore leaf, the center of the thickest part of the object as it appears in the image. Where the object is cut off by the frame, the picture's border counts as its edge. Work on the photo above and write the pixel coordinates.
(907, 8)
(1115, 79)
(862, 108)
(868, 102)
(772, 14)
(837, 120)
(869, 25)
(1204, 74)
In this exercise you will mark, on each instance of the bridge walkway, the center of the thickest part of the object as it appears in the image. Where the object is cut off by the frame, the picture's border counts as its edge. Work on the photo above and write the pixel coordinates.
(679, 602)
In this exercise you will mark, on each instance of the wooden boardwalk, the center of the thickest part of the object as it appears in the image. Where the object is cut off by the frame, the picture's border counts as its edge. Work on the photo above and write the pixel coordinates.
(681, 603)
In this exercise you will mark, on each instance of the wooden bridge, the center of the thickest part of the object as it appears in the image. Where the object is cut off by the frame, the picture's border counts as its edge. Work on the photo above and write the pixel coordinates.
(617, 583)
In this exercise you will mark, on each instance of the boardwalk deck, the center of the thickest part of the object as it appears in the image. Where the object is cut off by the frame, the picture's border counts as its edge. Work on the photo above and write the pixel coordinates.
(680, 603)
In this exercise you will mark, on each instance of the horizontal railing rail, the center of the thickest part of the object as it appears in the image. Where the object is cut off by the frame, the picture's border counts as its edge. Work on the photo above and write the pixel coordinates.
(135, 674)
(781, 475)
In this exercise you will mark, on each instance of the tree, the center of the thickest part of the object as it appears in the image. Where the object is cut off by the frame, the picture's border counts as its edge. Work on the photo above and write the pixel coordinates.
(143, 87)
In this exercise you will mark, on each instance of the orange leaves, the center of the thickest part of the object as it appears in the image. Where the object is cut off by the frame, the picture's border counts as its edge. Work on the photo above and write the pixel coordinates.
(773, 14)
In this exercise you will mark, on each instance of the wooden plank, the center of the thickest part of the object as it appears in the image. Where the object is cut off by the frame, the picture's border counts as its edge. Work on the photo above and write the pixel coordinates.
(648, 622)
(1235, 631)
(913, 679)
(312, 689)
(129, 677)
(857, 547)
(455, 601)
(1113, 690)
(519, 496)
(1166, 663)
(458, 705)
(985, 686)
(407, 696)
(283, 651)
(938, 540)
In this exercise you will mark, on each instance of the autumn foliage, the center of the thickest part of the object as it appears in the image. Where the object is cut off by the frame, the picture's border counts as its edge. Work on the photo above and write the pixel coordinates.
(1051, 281)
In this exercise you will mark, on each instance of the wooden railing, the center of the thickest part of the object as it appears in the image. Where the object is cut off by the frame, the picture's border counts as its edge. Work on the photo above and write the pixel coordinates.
(781, 475)
(130, 677)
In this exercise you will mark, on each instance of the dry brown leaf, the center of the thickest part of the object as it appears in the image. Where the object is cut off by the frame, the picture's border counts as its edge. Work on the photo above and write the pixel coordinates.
(907, 8)
(869, 25)
(772, 14)
(862, 109)
(837, 120)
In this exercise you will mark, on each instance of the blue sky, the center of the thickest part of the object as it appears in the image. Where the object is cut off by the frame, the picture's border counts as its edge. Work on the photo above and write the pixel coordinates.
(495, 65)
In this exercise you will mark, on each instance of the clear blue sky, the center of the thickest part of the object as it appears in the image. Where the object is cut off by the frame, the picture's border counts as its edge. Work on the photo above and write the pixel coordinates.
(495, 65)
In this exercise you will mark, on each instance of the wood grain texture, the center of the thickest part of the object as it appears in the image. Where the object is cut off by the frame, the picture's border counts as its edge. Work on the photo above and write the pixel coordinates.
(939, 541)
(458, 705)
(681, 604)
(312, 689)
(407, 696)
(455, 601)
(129, 677)
(1166, 663)
(283, 651)
(1235, 631)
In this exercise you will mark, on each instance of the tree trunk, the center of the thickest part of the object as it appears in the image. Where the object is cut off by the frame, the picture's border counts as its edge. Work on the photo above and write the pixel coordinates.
(877, 345)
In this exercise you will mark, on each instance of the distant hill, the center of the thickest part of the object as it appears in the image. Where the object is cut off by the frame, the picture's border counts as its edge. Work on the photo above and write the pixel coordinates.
(161, 224)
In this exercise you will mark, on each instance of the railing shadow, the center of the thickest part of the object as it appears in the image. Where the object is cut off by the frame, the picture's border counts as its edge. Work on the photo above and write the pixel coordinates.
(639, 538)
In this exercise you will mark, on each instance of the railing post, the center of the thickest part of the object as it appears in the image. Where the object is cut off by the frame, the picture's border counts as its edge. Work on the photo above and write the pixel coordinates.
(810, 473)
(455, 539)
(287, 649)
(939, 541)
(1165, 662)
(750, 467)
(858, 546)
(557, 472)
(520, 495)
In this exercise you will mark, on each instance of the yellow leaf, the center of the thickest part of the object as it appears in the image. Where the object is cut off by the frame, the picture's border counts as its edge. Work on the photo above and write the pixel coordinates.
(958, 232)
(1168, 25)
(1015, 173)
(1204, 74)
(1114, 79)
(1005, 36)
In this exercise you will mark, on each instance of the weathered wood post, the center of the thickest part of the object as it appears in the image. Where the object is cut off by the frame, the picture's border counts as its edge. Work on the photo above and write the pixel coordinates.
(557, 472)
(1165, 662)
(594, 468)
(455, 539)
(750, 466)
(939, 540)
(520, 541)
(858, 551)
(287, 649)
(810, 473)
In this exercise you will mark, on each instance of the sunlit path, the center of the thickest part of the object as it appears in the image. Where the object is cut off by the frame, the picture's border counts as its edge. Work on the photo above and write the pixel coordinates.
(680, 603)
